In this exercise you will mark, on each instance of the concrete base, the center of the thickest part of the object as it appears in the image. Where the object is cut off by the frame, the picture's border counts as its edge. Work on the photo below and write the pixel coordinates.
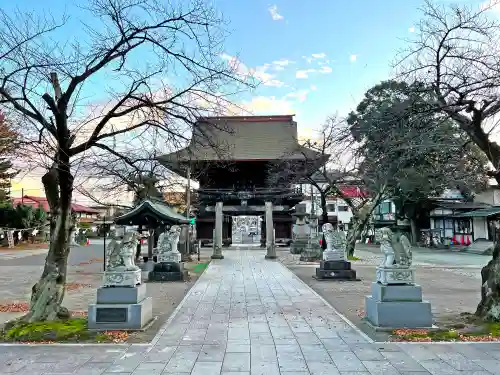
(397, 306)
(400, 293)
(133, 316)
(270, 256)
(398, 314)
(298, 246)
(390, 329)
(167, 276)
(336, 274)
(168, 271)
(217, 256)
(334, 265)
(112, 295)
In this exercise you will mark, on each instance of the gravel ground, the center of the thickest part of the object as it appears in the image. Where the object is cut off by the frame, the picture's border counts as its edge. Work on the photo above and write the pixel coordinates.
(17, 276)
(450, 289)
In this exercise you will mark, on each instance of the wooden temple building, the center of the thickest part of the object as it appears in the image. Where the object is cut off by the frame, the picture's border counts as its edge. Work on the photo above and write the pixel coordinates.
(238, 162)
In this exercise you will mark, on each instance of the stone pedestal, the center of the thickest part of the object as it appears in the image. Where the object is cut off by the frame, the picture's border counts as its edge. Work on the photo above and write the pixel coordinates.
(121, 278)
(298, 245)
(335, 270)
(168, 257)
(120, 308)
(397, 275)
(397, 306)
(168, 271)
(301, 230)
(313, 250)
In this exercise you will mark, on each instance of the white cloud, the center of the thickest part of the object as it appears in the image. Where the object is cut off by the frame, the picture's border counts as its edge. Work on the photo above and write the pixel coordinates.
(411, 29)
(313, 88)
(353, 58)
(260, 73)
(325, 69)
(262, 105)
(299, 95)
(304, 73)
(274, 13)
(315, 56)
(280, 64)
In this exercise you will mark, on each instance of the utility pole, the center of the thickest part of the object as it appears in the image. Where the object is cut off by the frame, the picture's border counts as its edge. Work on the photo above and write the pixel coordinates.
(188, 207)
(312, 200)
(188, 192)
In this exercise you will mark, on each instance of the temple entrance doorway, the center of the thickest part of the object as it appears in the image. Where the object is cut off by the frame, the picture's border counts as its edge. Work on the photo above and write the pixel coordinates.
(246, 230)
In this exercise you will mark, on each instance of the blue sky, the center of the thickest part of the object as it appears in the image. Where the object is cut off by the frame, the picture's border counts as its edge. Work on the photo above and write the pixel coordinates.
(315, 58)
(354, 43)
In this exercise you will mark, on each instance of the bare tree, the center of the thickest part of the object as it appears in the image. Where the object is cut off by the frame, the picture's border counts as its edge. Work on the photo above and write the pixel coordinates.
(132, 48)
(336, 166)
(456, 55)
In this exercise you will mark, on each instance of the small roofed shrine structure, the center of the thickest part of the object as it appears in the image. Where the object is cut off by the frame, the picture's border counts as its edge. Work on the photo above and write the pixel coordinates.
(235, 160)
(154, 215)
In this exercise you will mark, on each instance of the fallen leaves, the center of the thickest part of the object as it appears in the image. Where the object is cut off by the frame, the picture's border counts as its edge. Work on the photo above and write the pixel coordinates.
(360, 313)
(90, 261)
(411, 339)
(37, 342)
(14, 307)
(117, 336)
(75, 286)
(406, 331)
(424, 335)
(79, 314)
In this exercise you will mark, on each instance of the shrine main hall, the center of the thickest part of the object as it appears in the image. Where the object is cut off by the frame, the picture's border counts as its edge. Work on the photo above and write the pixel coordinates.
(245, 165)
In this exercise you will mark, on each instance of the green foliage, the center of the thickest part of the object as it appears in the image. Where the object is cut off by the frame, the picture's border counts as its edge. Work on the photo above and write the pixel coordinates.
(404, 143)
(21, 216)
(71, 329)
(353, 258)
(84, 225)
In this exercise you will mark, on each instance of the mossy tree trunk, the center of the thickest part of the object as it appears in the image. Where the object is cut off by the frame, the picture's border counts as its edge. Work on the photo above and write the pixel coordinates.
(489, 307)
(356, 227)
(48, 293)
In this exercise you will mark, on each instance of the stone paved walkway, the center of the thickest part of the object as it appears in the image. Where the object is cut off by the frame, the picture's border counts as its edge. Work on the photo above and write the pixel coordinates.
(250, 316)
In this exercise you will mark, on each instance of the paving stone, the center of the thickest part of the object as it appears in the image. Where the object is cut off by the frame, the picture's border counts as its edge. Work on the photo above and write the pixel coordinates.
(264, 368)
(322, 368)
(491, 365)
(235, 362)
(249, 316)
(380, 368)
(207, 368)
(402, 361)
(347, 361)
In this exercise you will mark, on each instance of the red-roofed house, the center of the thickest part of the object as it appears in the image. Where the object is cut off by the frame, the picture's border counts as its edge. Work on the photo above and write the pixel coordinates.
(84, 214)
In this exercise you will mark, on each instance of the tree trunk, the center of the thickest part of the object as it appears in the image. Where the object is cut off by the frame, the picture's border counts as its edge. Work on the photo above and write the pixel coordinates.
(355, 230)
(48, 293)
(138, 249)
(414, 231)
(324, 217)
(489, 307)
